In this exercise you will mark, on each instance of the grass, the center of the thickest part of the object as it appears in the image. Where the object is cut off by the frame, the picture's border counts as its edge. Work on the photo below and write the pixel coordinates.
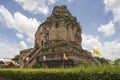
(77, 73)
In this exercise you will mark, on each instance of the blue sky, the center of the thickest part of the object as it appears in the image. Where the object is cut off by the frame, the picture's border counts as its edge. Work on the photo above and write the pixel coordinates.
(99, 19)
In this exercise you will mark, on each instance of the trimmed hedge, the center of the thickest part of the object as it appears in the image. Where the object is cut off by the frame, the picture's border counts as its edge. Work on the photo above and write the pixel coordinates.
(77, 73)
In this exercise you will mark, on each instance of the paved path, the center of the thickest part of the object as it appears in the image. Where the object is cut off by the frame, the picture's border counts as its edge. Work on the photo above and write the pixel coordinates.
(1, 78)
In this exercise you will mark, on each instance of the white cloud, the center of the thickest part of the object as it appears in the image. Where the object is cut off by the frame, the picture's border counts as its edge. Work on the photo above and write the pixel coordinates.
(52, 1)
(6, 17)
(70, 0)
(19, 22)
(19, 35)
(114, 7)
(91, 42)
(108, 29)
(8, 47)
(38, 6)
(109, 49)
(31, 38)
(26, 25)
(23, 45)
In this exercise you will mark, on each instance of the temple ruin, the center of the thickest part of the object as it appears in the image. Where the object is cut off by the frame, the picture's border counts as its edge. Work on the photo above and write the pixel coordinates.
(57, 43)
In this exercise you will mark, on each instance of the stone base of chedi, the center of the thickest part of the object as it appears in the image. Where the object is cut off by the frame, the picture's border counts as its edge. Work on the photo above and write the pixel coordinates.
(57, 43)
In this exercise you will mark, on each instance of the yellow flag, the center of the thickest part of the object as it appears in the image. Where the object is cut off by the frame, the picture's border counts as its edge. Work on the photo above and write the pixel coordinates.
(97, 52)
(27, 58)
(64, 56)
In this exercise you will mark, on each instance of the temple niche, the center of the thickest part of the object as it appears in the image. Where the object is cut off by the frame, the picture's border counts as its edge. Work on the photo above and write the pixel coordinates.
(57, 43)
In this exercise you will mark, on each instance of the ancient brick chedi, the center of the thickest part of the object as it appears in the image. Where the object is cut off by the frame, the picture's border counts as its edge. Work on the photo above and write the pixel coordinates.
(57, 43)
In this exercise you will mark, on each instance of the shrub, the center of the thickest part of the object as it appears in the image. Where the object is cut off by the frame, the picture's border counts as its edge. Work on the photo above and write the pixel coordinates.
(77, 73)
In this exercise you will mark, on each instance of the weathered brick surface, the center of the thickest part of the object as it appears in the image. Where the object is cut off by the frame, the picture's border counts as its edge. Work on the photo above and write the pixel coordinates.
(60, 34)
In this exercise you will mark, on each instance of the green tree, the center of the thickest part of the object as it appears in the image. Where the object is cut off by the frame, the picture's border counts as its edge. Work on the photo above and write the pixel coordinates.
(16, 58)
(102, 60)
(117, 62)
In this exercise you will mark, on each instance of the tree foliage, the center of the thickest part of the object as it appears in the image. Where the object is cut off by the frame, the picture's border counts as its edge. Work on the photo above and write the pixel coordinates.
(16, 58)
(102, 60)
